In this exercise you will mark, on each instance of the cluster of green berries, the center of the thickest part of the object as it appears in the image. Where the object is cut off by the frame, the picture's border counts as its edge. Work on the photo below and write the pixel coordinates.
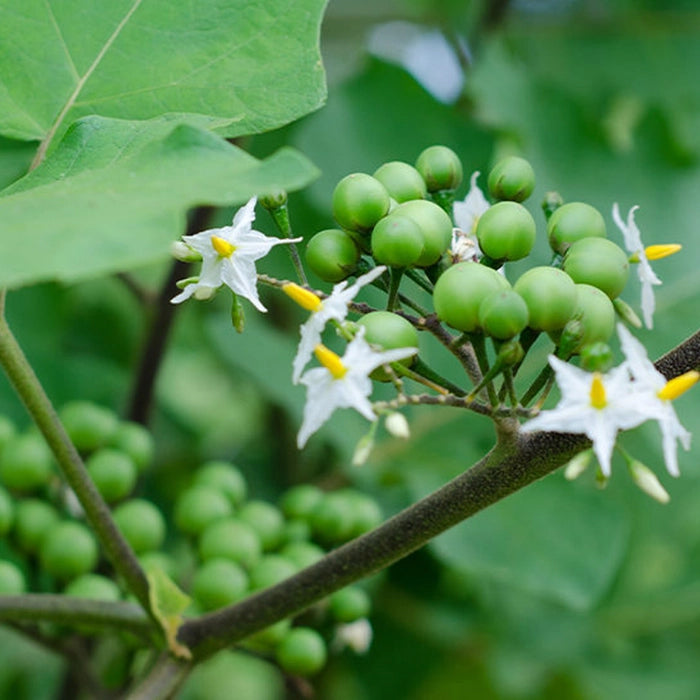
(245, 545)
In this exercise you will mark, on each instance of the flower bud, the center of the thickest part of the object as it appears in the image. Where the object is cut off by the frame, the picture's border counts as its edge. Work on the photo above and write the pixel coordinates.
(397, 425)
(363, 449)
(273, 200)
(576, 466)
(181, 251)
(648, 482)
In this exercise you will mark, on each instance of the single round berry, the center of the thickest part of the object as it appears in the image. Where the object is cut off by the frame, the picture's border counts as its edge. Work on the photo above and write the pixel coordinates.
(598, 262)
(299, 501)
(366, 512)
(512, 179)
(12, 580)
(435, 227)
(68, 550)
(224, 476)
(350, 604)
(596, 357)
(506, 231)
(440, 167)
(460, 290)
(596, 313)
(302, 652)
(332, 255)
(26, 463)
(88, 425)
(200, 506)
(219, 582)
(302, 554)
(503, 314)
(113, 472)
(550, 296)
(7, 512)
(231, 539)
(388, 331)
(333, 519)
(359, 201)
(402, 181)
(266, 520)
(34, 519)
(572, 222)
(270, 570)
(269, 638)
(296, 530)
(150, 561)
(397, 241)
(134, 440)
(93, 586)
(141, 523)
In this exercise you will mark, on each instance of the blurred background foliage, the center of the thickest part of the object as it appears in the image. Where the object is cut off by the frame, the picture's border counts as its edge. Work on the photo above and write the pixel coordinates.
(563, 590)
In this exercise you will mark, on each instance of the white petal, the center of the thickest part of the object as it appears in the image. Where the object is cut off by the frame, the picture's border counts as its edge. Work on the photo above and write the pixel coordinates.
(239, 274)
(245, 216)
(310, 338)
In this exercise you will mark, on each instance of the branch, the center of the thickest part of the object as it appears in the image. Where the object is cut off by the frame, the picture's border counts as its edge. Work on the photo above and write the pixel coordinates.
(516, 461)
(164, 679)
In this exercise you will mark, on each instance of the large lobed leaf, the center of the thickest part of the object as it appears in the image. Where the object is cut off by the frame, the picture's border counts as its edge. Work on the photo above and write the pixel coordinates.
(243, 67)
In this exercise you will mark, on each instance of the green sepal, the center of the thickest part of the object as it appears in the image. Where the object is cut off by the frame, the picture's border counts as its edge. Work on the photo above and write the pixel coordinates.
(168, 603)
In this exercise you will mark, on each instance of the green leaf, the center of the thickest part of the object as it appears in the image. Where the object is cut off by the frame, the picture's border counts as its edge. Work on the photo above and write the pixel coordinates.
(242, 67)
(114, 195)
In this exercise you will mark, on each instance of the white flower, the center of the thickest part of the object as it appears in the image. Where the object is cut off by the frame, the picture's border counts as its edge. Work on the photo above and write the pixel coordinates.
(633, 243)
(342, 382)
(595, 404)
(333, 307)
(654, 393)
(229, 255)
(465, 245)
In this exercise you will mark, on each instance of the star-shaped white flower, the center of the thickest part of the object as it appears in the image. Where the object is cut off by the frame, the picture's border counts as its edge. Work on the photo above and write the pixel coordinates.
(229, 255)
(342, 382)
(594, 404)
(654, 394)
(465, 245)
(334, 307)
(634, 246)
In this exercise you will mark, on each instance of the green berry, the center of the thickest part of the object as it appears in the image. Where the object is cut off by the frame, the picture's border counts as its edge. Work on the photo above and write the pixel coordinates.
(302, 652)
(113, 472)
(141, 523)
(302, 554)
(200, 506)
(366, 512)
(219, 582)
(598, 262)
(596, 313)
(88, 425)
(68, 550)
(136, 441)
(503, 314)
(397, 241)
(11, 579)
(550, 296)
(512, 179)
(7, 430)
(506, 231)
(26, 463)
(596, 357)
(299, 501)
(402, 181)
(435, 227)
(332, 255)
(231, 539)
(388, 331)
(7, 512)
(440, 167)
(350, 604)
(224, 476)
(269, 638)
(333, 519)
(359, 201)
(159, 560)
(572, 222)
(34, 519)
(270, 570)
(460, 290)
(93, 586)
(266, 520)
(296, 530)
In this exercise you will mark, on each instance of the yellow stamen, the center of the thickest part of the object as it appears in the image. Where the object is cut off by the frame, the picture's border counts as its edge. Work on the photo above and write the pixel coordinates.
(330, 361)
(598, 398)
(222, 247)
(679, 385)
(656, 252)
(306, 299)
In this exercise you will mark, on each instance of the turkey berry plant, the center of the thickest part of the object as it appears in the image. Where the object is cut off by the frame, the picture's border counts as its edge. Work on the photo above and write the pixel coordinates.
(97, 555)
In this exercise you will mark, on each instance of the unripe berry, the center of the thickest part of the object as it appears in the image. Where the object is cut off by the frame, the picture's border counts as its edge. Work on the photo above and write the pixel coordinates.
(596, 313)
(397, 241)
(113, 472)
(299, 501)
(88, 425)
(302, 652)
(34, 519)
(270, 570)
(134, 440)
(141, 523)
(359, 201)
(11, 579)
(388, 331)
(435, 227)
(402, 181)
(550, 296)
(597, 357)
(217, 583)
(7, 512)
(26, 462)
(598, 262)
(512, 179)
(94, 587)
(440, 167)
(266, 520)
(231, 539)
(506, 231)
(68, 551)
(350, 604)
(200, 506)
(572, 222)
(302, 554)
(224, 476)
(332, 255)
(503, 314)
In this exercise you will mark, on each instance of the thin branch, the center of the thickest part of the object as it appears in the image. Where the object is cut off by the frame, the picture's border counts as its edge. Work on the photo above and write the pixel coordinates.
(164, 679)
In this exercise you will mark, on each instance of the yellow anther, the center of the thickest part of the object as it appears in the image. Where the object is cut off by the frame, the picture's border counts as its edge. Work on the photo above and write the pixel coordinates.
(656, 252)
(679, 385)
(306, 299)
(598, 398)
(330, 361)
(222, 247)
